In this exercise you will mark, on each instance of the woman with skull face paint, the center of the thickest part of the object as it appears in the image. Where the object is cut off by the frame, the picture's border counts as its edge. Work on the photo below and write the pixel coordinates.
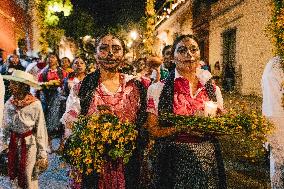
(123, 96)
(182, 158)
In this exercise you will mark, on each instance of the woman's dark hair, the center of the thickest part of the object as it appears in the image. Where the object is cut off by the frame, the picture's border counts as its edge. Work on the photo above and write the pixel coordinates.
(79, 57)
(114, 35)
(180, 38)
(52, 54)
(137, 64)
(166, 48)
(72, 74)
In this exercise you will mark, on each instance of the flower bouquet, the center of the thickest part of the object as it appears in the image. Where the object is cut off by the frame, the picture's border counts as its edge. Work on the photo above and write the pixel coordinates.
(50, 84)
(97, 139)
(242, 134)
(228, 124)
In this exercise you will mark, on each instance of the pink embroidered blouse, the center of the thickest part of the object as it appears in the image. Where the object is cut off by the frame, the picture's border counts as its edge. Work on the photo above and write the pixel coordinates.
(185, 102)
(52, 75)
(124, 102)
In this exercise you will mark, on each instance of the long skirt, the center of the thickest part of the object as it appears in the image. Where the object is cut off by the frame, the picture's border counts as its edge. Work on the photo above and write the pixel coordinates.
(179, 164)
(53, 112)
(111, 177)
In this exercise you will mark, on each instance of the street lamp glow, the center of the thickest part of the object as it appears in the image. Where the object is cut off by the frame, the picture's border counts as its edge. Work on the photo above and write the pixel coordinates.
(133, 35)
(54, 8)
(129, 44)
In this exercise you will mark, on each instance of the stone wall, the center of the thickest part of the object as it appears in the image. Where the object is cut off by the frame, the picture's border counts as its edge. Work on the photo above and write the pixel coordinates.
(253, 48)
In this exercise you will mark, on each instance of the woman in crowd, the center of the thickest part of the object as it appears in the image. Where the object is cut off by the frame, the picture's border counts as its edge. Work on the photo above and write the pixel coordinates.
(13, 63)
(216, 72)
(24, 125)
(147, 70)
(65, 64)
(141, 70)
(71, 88)
(53, 76)
(125, 97)
(184, 159)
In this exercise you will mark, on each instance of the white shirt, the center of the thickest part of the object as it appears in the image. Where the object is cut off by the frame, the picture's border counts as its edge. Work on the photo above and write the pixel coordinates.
(272, 89)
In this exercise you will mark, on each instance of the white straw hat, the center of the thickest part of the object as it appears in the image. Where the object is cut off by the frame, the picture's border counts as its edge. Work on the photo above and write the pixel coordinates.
(23, 77)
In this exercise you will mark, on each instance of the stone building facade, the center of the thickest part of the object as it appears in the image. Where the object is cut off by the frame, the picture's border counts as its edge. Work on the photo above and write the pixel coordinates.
(231, 32)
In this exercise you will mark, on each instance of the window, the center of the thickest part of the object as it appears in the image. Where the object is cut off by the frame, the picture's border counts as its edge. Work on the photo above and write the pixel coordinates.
(229, 59)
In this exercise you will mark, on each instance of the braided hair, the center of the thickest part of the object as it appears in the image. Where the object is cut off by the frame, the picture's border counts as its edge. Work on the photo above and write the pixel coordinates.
(167, 95)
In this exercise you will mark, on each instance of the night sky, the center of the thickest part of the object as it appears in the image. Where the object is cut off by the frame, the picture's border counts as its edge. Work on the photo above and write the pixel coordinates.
(113, 12)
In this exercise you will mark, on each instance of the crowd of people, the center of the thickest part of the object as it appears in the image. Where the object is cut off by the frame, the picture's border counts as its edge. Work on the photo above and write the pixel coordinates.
(43, 100)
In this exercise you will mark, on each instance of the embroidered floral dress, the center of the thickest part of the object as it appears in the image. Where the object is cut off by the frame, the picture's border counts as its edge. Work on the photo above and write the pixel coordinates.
(124, 103)
(185, 160)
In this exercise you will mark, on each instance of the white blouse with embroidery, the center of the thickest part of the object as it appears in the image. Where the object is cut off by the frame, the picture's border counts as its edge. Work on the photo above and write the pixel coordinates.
(22, 120)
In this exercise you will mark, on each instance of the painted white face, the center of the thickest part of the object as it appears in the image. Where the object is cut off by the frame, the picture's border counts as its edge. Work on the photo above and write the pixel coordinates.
(187, 55)
(109, 52)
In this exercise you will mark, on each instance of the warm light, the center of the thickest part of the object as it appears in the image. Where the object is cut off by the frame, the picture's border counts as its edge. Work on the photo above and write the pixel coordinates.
(54, 8)
(133, 35)
(210, 109)
(129, 44)
(163, 36)
(87, 38)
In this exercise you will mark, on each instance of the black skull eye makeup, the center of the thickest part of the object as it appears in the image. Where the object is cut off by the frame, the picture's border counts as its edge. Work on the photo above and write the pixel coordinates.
(183, 49)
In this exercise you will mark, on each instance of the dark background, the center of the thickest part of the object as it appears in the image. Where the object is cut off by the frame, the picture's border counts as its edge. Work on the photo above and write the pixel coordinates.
(112, 12)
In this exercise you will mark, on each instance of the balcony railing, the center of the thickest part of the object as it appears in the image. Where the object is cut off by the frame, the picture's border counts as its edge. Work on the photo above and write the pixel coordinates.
(165, 11)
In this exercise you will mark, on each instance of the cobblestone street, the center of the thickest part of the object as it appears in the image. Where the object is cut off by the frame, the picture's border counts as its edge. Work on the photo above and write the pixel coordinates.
(54, 178)
(241, 173)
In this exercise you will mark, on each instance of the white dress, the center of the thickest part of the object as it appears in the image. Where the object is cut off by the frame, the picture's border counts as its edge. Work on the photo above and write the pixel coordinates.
(272, 88)
(73, 108)
(22, 120)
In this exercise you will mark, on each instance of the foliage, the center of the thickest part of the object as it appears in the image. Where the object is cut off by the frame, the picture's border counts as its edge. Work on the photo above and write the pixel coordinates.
(97, 139)
(229, 123)
(79, 24)
(53, 7)
(276, 27)
(48, 14)
(249, 129)
(50, 84)
(150, 27)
